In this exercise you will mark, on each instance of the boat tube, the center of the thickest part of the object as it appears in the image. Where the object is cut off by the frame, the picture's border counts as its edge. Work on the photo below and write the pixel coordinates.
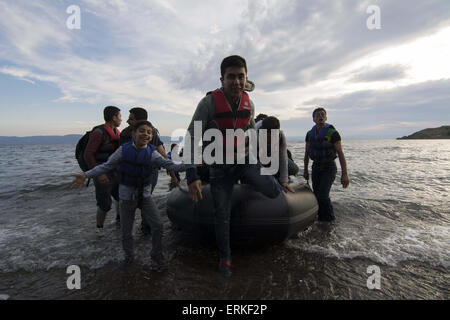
(255, 218)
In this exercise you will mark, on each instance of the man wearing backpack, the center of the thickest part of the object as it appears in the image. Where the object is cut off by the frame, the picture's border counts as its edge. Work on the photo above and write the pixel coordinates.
(103, 141)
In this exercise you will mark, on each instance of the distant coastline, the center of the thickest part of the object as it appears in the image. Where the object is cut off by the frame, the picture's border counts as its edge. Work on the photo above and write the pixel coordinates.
(66, 139)
(430, 133)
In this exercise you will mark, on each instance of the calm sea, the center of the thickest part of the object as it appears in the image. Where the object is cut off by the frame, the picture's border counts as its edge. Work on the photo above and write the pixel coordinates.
(395, 216)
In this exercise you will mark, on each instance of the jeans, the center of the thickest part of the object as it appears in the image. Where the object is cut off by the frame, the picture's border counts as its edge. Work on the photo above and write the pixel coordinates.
(145, 225)
(152, 216)
(323, 176)
(222, 179)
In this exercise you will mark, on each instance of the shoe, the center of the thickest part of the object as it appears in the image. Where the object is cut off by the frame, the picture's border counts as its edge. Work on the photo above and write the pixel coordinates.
(126, 263)
(225, 267)
(100, 232)
(158, 264)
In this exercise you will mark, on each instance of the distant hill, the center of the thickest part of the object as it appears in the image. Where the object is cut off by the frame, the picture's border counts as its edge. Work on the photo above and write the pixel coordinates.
(430, 133)
(67, 139)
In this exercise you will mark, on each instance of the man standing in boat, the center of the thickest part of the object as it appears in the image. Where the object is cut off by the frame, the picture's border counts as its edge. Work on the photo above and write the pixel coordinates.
(229, 107)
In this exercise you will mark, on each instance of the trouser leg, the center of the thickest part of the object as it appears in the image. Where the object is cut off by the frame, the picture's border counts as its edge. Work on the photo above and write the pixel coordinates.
(266, 184)
(152, 216)
(221, 189)
(104, 201)
(145, 224)
(127, 214)
(323, 178)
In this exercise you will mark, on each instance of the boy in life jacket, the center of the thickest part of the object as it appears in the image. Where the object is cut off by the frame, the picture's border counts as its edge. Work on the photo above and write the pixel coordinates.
(137, 114)
(135, 161)
(230, 108)
(323, 145)
(103, 141)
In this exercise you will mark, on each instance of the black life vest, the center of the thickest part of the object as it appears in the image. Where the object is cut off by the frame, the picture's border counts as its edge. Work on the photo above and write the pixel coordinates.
(320, 147)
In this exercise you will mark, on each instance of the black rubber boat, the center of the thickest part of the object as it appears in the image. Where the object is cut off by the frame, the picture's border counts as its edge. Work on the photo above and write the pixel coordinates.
(255, 219)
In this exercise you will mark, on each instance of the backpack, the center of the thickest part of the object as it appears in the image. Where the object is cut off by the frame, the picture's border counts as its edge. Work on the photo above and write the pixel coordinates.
(81, 146)
(79, 151)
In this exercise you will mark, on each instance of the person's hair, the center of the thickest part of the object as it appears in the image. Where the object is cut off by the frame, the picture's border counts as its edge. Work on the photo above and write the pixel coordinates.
(318, 109)
(172, 146)
(142, 123)
(109, 112)
(270, 123)
(260, 116)
(232, 61)
(139, 113)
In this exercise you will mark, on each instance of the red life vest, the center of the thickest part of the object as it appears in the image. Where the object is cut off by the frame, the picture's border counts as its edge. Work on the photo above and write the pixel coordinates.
(114, 136)
(224, 116)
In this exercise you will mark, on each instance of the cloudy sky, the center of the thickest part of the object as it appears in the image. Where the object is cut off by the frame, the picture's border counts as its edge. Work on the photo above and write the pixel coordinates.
(165, 55)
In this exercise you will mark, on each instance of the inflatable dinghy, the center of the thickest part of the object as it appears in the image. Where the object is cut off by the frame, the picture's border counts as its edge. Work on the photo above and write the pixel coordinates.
(255, 219)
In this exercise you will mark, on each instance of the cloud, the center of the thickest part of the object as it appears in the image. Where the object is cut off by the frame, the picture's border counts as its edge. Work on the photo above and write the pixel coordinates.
(398, 109)
(382, 73)
(305, 41)
(166, 55)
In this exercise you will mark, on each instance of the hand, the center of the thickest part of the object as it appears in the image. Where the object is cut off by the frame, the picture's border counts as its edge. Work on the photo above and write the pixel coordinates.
(78, 181)
(287, 187)
(344, 180)
(103, 179)
(306, 175)
(195, 190)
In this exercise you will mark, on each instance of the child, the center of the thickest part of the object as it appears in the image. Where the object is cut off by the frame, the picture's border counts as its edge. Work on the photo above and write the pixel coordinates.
(135, 160)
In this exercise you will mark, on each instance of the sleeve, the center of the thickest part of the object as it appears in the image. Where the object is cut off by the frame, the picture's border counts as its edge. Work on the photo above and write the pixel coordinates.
(335, 136)
(204, 113)
(159, 161)
(156, 141)
(111, 164)
(283, 159)
(95, 140)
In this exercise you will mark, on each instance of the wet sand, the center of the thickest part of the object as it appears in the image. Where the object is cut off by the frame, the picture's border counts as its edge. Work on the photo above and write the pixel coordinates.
(272, 273)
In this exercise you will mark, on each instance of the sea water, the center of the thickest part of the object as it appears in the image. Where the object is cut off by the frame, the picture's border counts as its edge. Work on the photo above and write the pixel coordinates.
(395, 215)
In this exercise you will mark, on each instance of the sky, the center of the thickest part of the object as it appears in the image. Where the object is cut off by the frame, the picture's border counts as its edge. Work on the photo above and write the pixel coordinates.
(380, 68)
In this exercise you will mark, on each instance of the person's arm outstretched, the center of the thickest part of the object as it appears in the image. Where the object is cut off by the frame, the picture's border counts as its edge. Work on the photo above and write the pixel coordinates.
(111, 164)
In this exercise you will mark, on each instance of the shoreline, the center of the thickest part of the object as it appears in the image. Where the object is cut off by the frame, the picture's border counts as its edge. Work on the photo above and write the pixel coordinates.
(285, 276)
